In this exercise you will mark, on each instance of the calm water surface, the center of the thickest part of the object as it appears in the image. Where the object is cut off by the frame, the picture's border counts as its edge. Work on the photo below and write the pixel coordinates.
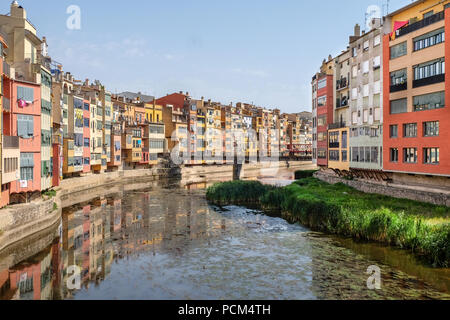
(170, 244)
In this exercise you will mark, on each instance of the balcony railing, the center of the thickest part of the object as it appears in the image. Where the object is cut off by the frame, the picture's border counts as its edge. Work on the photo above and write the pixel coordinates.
(341, 84)
(338, 125)
(399, 87)
(341, 102)
(421, 24)
(10, 142)
(430, 80)
(334, 145)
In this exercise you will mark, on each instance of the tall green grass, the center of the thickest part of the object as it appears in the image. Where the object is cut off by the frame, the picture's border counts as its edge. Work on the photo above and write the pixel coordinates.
(339, 209)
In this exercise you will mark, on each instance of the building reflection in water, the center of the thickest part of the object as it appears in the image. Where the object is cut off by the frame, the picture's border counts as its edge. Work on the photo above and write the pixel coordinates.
(96, 234)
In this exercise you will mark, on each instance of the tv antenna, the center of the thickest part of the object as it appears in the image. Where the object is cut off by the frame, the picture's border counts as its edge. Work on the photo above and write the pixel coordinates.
(386, 7)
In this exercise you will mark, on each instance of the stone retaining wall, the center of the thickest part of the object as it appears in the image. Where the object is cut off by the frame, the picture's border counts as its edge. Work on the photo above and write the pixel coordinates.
(387, 189)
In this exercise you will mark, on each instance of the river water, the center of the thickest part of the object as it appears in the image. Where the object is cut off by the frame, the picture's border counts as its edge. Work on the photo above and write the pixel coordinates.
(168, 243)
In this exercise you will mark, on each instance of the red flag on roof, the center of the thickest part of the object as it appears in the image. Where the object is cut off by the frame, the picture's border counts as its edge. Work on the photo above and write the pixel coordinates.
(398, 25)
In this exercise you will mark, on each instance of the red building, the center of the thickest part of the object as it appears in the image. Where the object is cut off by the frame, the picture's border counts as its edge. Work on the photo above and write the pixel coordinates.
(324, 105)
(416, 107)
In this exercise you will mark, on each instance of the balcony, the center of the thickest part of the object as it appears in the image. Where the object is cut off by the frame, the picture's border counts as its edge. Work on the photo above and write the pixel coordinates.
(421, 24)
(399, 87)
(334, 145)
(341, 102)
(10, 142)
(428, 81)
(341, 84)
(338, 125)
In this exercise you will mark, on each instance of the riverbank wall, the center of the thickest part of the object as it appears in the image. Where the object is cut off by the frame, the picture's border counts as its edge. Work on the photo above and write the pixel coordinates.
(425, 194)
(202, 174)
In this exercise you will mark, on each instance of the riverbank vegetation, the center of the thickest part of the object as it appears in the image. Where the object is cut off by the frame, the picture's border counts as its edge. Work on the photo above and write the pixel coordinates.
(338, 209)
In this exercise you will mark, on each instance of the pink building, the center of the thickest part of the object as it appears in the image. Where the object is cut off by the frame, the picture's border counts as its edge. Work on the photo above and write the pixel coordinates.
(24, 121)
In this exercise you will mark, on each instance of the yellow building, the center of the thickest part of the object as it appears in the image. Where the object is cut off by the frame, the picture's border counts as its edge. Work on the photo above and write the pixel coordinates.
(69, 153)
(338, 149)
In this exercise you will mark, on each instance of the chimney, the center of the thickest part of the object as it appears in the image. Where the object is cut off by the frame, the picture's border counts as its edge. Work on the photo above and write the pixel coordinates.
(86, 82)
(18, 11)
(357, 30)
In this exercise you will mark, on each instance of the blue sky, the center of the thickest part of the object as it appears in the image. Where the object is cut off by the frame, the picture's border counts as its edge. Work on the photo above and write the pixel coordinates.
(260, 51)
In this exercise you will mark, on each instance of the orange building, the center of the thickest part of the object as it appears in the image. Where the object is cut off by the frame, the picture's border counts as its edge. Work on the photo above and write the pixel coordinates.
(416, 90)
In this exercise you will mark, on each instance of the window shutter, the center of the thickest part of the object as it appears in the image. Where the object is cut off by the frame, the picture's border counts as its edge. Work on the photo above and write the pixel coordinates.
(30, 127)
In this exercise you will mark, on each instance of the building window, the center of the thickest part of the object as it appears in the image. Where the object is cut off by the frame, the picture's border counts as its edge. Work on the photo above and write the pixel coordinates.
(366, 67)
(344, 140)
(25, 126)
(322, 84)
(322, 154)
(410, 155)
(374, 154)
(10, 165)
(399, 78)
(399, 50)
(433, 69)
(394, 154)
(322, 121)
(87, 161)
(377, 40)
(399, 106)
(410, 130)
(86, 122)
(355, 154)
(344, 156)
(429, 39)
(393, 131)
(322, 101)
(334, 140)
(26, 166)
(26, 94)
(431, 129)
(428, 14)
(429, 101)
(87, 143)
(431, 155)
(334, 155)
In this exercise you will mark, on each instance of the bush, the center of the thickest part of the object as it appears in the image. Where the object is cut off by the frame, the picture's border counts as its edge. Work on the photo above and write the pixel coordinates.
(237, 192)
(304, 174)
(340, 209)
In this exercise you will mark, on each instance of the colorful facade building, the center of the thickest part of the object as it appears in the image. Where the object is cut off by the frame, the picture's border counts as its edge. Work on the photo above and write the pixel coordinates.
(323, 110)
(86, 136)
(10, 152)
(338, 137)
(416, 92)
(59, 86)
(176, 125)
(366, 102)
(156, 131)
(46, 119)
(24, 121)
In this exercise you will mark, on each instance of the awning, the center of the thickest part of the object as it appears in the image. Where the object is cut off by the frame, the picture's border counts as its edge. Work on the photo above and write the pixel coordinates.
(398, 25)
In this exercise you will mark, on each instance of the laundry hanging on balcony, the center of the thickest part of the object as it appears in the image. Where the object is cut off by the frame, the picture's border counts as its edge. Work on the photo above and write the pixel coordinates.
(22, 103)
(398, 25)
